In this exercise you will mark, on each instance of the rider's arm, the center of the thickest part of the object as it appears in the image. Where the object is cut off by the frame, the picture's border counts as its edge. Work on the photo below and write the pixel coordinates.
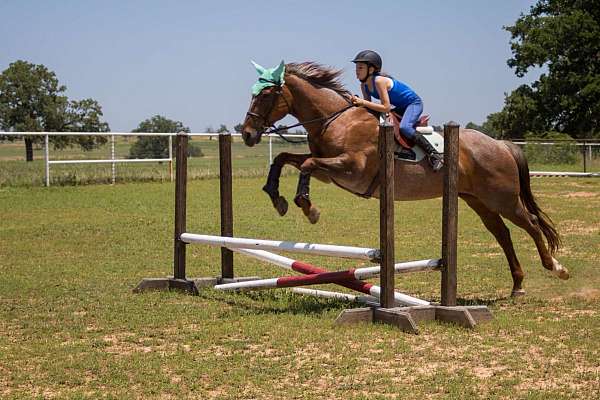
(365, 94)
(381, 87)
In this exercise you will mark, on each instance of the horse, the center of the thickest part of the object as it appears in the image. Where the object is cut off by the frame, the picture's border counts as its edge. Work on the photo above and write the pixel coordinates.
(493, 174)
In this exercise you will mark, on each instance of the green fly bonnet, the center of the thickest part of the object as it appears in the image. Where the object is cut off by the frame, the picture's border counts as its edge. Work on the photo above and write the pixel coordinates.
(268, 77)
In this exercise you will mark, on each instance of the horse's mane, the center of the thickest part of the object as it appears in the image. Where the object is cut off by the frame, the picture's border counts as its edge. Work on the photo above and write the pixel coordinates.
(319, 75)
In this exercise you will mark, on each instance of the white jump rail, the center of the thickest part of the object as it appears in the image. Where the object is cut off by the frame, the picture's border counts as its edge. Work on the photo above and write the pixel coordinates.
(259, 244)
(564, 174)
(369, 300)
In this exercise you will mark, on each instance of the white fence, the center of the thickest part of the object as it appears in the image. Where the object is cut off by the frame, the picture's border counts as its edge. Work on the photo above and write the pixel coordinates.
(589, 153)
(113, 160)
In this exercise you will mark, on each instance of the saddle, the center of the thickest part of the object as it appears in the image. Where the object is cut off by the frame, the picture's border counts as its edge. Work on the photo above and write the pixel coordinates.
(394, 119)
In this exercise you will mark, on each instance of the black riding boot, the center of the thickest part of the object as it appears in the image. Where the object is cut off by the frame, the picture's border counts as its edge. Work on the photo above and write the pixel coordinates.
(435, 158)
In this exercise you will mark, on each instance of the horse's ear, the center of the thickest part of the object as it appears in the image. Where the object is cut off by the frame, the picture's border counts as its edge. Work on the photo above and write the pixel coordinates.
(279, 72)
(259, 69)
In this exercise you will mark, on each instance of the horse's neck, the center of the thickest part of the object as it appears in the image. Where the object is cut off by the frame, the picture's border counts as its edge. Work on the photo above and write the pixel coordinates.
(313, 103)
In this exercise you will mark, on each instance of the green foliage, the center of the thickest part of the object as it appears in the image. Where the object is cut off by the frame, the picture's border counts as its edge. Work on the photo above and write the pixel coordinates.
(563, 152)
(158, 146)
(563, 38)
(32, 100)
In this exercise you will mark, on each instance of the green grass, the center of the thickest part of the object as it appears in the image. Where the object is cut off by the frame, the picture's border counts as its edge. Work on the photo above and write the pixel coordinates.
(70, 326)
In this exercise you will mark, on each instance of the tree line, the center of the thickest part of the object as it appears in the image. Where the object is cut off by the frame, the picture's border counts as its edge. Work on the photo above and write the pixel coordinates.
(560, 37)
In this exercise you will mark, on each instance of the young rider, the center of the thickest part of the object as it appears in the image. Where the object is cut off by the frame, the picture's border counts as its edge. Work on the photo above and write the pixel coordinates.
(395, 96)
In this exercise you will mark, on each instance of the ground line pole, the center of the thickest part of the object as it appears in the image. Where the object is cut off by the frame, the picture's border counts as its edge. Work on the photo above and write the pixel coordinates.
(450, 214)
(386, 214)
(180, 204)
(226, 196)
(47, 160)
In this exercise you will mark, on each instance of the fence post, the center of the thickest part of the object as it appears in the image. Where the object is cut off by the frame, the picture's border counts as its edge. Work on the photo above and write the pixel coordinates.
(171, 157)
(226, 202)
(47, 160)
(584, 153)
(270, 149)
(112, 157)
(386, 213)
(450, 213)
(180, 205)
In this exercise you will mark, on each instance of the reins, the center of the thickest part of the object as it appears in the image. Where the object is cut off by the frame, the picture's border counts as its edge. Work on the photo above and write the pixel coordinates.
(277, 130)
(329, 119)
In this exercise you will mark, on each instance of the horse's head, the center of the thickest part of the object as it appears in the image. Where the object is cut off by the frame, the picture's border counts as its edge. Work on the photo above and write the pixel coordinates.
(269, 103)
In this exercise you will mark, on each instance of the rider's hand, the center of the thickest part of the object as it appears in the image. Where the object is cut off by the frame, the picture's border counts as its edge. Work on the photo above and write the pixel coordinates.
(357, 101)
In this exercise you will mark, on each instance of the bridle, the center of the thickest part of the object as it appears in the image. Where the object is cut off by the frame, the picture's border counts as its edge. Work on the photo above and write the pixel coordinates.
(264, 119)
(266, 128)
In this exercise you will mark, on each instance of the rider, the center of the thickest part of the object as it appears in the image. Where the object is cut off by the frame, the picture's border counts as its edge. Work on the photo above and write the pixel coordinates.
(394, 96)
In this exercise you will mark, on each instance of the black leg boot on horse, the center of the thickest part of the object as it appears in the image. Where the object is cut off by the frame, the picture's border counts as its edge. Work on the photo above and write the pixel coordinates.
(272, 189)
(302, 198)
(435, 158)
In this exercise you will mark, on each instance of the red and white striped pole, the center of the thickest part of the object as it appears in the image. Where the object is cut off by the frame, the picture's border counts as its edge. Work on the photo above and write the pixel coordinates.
(316, 275)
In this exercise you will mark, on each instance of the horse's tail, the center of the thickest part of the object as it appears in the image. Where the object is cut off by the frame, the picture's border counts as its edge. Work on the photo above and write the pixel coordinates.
(544, 221)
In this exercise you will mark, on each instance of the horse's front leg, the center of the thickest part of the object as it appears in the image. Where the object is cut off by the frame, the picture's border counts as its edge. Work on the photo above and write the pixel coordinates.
(272, 185)
(324, 166)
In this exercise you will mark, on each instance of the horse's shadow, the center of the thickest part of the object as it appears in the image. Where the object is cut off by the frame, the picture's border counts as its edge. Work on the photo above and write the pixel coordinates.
(283, 302)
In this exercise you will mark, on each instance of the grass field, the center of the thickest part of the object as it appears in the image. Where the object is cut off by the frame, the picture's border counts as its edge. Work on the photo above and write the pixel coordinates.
(70, 326)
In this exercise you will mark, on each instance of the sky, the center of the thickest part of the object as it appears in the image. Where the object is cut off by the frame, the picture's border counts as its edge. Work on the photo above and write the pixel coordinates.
(190, 60)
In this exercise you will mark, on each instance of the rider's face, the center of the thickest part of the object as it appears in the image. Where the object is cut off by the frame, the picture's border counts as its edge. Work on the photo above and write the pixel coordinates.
(362, 70)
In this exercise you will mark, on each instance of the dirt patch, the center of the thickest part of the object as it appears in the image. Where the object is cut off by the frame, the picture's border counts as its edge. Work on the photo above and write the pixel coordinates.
(580, 195)
(579, 227)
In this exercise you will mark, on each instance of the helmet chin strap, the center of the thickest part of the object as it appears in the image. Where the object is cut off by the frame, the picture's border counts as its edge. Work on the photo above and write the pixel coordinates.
(368, 75)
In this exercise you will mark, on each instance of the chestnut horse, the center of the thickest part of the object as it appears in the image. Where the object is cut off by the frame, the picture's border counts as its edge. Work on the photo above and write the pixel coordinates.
(493, 174)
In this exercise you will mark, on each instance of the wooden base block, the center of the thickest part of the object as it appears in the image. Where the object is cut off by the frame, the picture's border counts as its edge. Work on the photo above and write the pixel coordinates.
(183, 285)
(396, 317)
(407, 318)
(391, 316)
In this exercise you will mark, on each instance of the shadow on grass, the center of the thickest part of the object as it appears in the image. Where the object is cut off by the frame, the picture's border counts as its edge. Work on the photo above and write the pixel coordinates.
(284, 302)
(275, 302)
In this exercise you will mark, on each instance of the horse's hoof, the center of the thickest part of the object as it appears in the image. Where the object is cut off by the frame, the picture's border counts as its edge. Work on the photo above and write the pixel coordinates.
(560, 271)
(281, 205)
(313, 215)
(517, 293)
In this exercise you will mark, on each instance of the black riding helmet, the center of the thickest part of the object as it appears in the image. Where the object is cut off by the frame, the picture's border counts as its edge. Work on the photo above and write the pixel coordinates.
(370, 57)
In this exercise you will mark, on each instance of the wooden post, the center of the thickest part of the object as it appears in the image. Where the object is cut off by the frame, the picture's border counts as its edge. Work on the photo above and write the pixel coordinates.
(450, 213)
(180, 204)
(179, 280)
(386, 213)
(226, 202)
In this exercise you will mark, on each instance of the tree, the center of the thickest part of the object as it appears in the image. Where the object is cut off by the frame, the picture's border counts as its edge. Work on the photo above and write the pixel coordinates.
(563, 37)
(31, 100)
(155, 146)
(238, 128)
(222, 129)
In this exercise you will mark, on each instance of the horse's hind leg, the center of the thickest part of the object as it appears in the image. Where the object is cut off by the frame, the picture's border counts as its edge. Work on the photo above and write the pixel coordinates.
(529, 222)
(302, 198)
(493, 222)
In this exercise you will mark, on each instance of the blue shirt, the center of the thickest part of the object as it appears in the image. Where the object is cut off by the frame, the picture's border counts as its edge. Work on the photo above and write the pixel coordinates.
(401, 95)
